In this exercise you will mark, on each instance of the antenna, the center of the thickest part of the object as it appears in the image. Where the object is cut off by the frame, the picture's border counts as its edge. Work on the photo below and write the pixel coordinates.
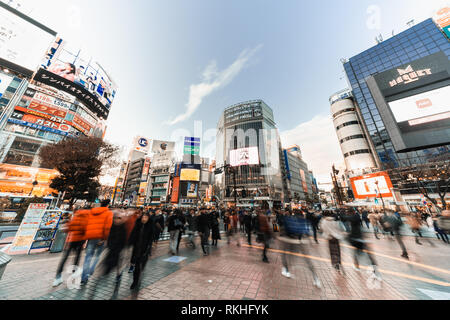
(410, 23)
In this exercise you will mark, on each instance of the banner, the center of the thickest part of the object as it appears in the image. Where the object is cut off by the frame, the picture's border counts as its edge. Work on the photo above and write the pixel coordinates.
(175, 190)
(28, 228)
(48, 109)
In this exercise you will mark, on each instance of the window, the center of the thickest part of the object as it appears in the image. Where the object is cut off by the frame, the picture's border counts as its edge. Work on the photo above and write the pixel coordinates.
(350, 123)
(357, 136)
(352, 153)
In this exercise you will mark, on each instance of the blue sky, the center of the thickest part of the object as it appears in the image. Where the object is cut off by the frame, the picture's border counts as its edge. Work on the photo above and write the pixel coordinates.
(168, 56)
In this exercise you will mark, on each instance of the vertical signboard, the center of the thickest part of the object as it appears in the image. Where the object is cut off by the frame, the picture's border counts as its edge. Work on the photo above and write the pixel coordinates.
(191, 146)
(175, 190)
(28, 228)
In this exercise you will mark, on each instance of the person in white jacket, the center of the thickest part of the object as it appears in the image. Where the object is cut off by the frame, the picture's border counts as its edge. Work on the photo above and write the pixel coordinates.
(332, 231)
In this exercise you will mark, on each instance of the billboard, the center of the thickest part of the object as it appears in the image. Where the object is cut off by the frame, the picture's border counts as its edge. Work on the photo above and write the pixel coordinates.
(5, 81)
(413, 101)
(422, 108)
(366, 187)
(164, 153)
(175, 190)
(442, 17)
(304, 184)
(244, 157)
(17, 32)
(77, 67)
(192, 190)
(141, 144)
(18, 181)
(190, 175)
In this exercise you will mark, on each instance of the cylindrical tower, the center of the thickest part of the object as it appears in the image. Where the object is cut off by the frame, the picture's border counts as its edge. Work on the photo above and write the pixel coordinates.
(352, 139)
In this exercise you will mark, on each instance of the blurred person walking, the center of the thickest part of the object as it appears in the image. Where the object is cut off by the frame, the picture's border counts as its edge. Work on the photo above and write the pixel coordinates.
(174, 225)
(333, 232)
(134, 215)
(374, 221)
(248, 226)
(215, 227)
(313, 220)
(293, 229)
(97, 232)
(265, 232)
(191, 220)
(356, 239)
(392, 224)
(203, 223)
(75, 241)
(140, 240)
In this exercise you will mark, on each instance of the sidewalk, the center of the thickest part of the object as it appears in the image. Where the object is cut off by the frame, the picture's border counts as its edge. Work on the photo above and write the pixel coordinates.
(236, 273)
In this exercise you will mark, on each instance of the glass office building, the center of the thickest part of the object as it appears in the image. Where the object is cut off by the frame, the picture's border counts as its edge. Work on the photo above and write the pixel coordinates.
(417, 42)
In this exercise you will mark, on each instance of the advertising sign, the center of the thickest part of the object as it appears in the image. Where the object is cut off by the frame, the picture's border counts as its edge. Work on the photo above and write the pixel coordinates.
(175, 190)
(37, 126)
(421, 108)
(190, 175)
(46, 123)
(366, 187)
(16, 35)
(192, 190)
(17, 180)
(141, 144)
(442, 17)
(304, 184)
(41, 107)
(28, 228)
(5, 81)
(87, 98)
(164, 153)
(244, 157)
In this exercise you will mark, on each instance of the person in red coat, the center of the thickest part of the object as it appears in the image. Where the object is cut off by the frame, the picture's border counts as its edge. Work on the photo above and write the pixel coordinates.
(97, 232)
(75, 241)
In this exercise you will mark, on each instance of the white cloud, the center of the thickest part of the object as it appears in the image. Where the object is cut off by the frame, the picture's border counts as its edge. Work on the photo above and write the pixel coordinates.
(212, 81)
(319, 145)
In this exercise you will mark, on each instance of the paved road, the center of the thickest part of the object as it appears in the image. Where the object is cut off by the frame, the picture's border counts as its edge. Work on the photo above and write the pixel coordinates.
(236, 273)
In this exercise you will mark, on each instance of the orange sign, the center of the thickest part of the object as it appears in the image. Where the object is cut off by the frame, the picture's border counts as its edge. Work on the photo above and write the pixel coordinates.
(175, 190)
(18, 180)
(442, 17)
(78, 121)
(47, 109)
(372, 185)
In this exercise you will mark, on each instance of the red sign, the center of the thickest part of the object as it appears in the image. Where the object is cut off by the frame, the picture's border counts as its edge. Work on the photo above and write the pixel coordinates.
(372, 185)
(47, 109)
(175, 190)
(86, 126)
(46, 123)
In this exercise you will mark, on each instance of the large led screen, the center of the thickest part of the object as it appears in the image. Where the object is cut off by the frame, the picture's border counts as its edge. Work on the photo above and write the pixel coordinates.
(244, 157)
(16, 35)
(423, 108)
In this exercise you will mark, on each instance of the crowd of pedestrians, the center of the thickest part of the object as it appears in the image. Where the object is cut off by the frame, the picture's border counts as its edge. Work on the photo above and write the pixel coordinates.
(122, 230)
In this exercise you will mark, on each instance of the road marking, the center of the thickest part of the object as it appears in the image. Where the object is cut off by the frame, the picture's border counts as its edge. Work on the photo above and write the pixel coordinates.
(398, 274)
(436, 295)
(402, 260)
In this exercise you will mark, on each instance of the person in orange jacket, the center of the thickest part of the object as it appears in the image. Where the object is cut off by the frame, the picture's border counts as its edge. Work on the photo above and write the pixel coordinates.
(75, 241)
(97, 232)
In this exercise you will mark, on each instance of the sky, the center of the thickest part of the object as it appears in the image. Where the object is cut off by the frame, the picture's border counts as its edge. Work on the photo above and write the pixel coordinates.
(179, 64)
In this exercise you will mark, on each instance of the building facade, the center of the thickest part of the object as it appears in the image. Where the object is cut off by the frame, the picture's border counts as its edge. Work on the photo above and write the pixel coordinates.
(43, 102)
(249, 142)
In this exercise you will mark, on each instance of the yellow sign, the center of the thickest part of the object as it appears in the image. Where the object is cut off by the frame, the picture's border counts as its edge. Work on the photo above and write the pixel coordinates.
(190, 175)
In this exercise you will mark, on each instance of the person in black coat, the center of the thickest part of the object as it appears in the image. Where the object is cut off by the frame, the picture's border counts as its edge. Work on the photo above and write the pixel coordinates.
(141, 240)
(314, 222)
(214, 223)
(248, 226)
(204, 227)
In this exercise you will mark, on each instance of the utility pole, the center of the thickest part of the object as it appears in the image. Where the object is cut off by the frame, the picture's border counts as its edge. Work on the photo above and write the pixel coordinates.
(381, 197)
(336, 186)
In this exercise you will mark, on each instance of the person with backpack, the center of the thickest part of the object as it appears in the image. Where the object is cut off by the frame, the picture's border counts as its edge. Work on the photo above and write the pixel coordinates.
(293, 228)
(174, 225)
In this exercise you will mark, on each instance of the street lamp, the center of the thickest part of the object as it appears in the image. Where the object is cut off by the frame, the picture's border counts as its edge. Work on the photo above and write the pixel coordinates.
(35, 183)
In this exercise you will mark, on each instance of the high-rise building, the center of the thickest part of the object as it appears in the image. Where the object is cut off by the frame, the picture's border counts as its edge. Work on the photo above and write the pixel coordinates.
(300, 182)
(48, 91)
(400, 90)
(249, 142)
